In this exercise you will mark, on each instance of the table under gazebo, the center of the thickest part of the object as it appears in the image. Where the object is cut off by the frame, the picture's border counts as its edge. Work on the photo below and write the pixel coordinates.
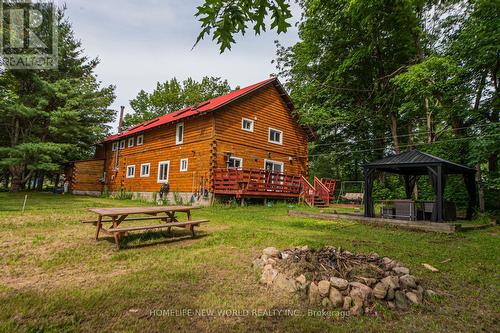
(411, 165)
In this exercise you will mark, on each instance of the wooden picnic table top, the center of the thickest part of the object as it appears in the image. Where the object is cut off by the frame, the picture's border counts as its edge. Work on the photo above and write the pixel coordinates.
(139, 210)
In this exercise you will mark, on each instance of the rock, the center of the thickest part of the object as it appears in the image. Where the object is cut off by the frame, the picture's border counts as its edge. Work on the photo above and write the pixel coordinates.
(407, 282)
(336, 297)
(326, 303)
(268, 276)
(285, 284)
(390, 294)
(264, 258)
(380, 290)
(324, 287)
(391, 281)
(358, 301)
(258, 263)
(271, 252)
(284, 255)
(305, 248)
(339, 283)
(391, 305)
(364, 290)
(268, 267)
(313, 293)
(271, 261)
(389, 263)
(400, 300)
(301, 279)
(400, 270)
(347, 253)
(347, 303)
(373, 256)
(420, 293)
(412, 297)
(430, 293)
(368, 281)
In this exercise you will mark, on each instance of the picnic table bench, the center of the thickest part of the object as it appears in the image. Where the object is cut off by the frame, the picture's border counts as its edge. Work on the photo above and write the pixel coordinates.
(116, 216)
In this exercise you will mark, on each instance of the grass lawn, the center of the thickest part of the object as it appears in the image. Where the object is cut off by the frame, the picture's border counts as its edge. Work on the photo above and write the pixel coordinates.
(56, 277)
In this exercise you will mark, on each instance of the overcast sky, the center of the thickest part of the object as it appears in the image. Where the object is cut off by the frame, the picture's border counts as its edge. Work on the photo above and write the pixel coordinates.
(144, 41)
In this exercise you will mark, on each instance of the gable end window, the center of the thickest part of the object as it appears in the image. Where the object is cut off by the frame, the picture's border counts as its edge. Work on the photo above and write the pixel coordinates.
(114, 146)
(131, 142)
(122, 144)
(275, 136)
(130, 171)
(184, 165)
(247, 124)
(145, 169)
(179, 133)
(140, 140)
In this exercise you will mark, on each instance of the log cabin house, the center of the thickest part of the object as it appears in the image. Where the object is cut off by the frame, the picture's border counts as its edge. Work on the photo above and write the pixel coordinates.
(247, 143)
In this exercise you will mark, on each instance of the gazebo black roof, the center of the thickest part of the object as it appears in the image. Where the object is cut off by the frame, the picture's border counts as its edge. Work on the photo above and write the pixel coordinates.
(415, 162)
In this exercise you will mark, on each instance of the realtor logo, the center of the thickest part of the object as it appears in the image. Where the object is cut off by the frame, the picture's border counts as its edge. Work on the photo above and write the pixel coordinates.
(28, 35)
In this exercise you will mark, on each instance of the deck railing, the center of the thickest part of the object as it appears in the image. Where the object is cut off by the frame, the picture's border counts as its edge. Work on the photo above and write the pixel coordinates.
(307, 191)
(321, 190)
(255, 182)
(331, 184)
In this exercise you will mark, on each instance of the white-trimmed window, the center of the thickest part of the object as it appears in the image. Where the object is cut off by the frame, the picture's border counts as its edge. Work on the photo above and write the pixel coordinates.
(140, 140)
(247, 124)
(131, 142)
(179, 133)
(145, 169)
(122, 144)
(235, 162)
(130, 171)
(114, 146)
(163, 171)
(184, 165)
(276, 166)
(275, 136)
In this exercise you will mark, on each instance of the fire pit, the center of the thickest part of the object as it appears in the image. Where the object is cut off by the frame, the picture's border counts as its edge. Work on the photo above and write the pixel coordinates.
(340, 279)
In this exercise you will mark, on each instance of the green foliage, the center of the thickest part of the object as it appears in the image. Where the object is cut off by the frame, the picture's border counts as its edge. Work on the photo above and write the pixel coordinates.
(173, 95)
(226, 18)
(374, 78)
(49, 117)
(122, 194)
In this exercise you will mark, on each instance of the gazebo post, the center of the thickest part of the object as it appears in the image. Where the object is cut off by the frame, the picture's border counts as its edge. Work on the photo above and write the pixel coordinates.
(369, 210)
(439, 194)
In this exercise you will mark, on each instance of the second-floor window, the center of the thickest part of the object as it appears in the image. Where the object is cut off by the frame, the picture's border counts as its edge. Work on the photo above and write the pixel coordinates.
(114, 146)
(247, 124)
(122, 144)
(275, 136)
(179, 133)
(131, 142)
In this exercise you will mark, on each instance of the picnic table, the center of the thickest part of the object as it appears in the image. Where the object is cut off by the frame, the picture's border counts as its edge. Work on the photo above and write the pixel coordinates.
(165, 214)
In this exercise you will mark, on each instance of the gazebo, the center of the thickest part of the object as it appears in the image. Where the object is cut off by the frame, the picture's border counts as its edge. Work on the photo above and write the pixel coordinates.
(413, 164)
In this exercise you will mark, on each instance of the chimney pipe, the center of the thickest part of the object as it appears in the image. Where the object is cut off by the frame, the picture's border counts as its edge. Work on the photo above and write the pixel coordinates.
(120, 124)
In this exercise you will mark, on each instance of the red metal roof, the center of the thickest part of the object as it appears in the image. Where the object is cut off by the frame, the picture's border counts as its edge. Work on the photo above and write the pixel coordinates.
(189, 111)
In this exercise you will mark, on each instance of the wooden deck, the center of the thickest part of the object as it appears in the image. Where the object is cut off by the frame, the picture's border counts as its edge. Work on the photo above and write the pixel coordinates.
(256, 183)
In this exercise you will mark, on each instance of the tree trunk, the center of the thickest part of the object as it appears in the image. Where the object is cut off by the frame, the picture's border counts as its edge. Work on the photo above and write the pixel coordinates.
(428, 113)
(480, 188)
(394, 132)
(17, 183)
